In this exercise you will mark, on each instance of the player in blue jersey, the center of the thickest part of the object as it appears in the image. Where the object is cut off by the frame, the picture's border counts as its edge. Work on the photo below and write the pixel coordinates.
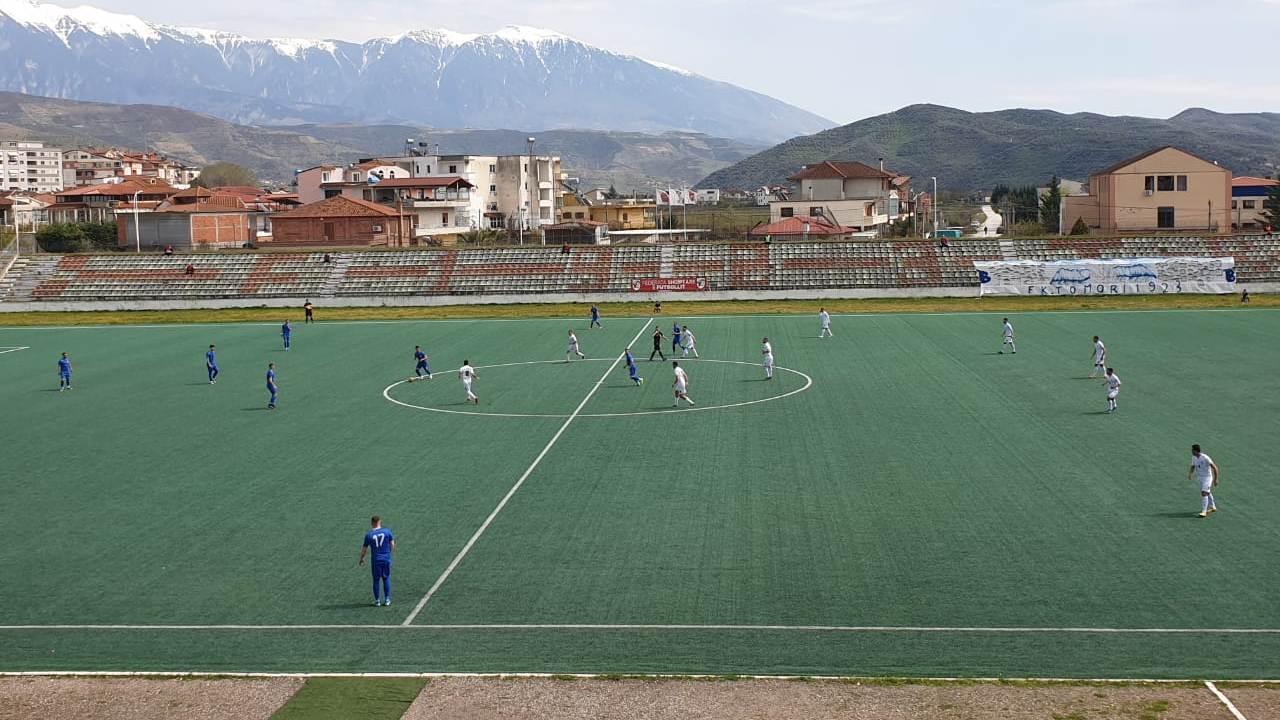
(285, 331)
(422, 366)
(271, 385)
(675, 338)
(381, 543)
(595, 318)
(211, 364)
(631, 367)
(64, 373)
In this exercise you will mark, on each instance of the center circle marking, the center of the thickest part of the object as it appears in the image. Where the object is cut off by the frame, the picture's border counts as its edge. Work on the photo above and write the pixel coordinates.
(808, 382)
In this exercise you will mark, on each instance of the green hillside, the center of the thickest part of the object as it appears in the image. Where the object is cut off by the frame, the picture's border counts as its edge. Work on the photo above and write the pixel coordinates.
(971, 151)
(627, 160)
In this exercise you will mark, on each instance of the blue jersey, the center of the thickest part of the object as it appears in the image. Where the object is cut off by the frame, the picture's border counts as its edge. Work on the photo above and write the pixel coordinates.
(630, 360)
(420, 356)
(271, 378)
(378, 541)
(595, 313)
(635, 371)
(285, 330)
(675, 330)
(64, 366)
(213, 361)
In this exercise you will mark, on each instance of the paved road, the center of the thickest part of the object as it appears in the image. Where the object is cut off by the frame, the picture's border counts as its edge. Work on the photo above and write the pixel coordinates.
(991, 226)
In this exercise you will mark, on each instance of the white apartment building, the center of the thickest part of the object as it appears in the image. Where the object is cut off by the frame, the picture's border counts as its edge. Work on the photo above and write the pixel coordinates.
(30, 166)
(851, 194)
(509, 191)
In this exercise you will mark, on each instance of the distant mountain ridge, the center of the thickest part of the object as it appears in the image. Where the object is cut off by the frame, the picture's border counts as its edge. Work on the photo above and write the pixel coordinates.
(627, 160)
(972, 151)
(516, 77)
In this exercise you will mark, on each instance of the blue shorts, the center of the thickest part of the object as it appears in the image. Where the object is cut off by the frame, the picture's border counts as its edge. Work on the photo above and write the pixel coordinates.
(381, 569)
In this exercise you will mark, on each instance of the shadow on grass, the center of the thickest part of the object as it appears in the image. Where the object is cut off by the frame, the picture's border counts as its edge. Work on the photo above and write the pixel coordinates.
(1177, 515)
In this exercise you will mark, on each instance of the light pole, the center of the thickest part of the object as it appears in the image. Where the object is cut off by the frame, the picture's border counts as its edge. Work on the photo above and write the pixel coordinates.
(533, 165)
(934, 200)
(137, 229)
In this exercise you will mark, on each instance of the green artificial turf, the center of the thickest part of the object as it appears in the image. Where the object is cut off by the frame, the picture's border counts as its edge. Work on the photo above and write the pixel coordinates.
(922, 481)
(343, 698)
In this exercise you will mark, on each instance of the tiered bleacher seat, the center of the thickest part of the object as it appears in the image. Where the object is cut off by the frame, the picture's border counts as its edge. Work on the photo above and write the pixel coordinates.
(160, 277)
(398, 273)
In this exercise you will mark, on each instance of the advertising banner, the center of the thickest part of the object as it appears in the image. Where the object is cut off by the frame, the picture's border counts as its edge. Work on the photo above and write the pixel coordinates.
(1129, 276)
(674, 284)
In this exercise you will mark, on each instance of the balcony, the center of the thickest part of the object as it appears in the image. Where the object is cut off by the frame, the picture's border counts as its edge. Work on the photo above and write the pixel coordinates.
(544, 185)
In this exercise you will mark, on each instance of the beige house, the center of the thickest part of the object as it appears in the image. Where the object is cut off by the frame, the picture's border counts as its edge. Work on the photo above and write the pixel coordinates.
(848, 194)
(1162, 190)
(1247, 197)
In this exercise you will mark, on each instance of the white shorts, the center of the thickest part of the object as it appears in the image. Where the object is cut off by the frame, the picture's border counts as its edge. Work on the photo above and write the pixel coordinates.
(768, 361)
(681, 389)
(1008, 340)
(1206, 484)
(1097, 363)
(573, 348)
(1111, 394)
(466, 385)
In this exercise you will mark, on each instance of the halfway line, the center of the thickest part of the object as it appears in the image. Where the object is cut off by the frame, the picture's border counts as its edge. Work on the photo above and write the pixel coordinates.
(532, 466)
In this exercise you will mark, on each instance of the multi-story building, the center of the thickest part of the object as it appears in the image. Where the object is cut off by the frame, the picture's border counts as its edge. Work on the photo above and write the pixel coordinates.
(616, 214)
(90, 166)
(100, 166)
(1162, 190)
(30, 166)
(1247, 196)
(847, 194)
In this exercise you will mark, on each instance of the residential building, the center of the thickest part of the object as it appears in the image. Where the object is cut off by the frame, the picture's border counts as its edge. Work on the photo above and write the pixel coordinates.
(96, 166)
(30, 166)
(1247, 196)
(99, 203)
(617, 214)
(28, 209)
(576, 232)
(801, 227)
(90, 166)
(341, 220)
(191, 219)
(440, 206)
(708, 196)
(847, 194)
(311, 180)
(1166, 189)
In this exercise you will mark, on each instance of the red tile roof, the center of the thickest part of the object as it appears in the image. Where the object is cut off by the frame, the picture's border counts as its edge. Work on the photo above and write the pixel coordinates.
(829, 170)
(1250, 181)
(573, 224)
(128, 187)
(337, 206)
(818, 227)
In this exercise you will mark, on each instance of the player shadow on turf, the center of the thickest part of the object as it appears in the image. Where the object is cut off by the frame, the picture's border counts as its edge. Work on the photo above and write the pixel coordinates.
(1097, 412)
(344, 606)
(1177, 515)
(251, 409)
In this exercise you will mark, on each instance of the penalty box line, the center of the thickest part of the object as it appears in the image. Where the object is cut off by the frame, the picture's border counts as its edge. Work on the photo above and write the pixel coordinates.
(417, 609)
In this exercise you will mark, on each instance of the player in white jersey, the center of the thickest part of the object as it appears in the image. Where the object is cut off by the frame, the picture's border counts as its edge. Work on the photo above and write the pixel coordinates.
(766, 350)
(1206, 471)
(1099, 357)
(688, 341)
(1113, 389)
(680, 385)
(1008, 338)
(573, 348)
(466, 373)
(824, 318)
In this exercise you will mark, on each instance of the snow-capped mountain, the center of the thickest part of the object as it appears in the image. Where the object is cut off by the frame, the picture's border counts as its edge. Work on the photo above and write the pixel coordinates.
(515, 77)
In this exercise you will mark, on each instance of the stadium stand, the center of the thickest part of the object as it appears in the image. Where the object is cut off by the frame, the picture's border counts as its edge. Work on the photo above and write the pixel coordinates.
(493, 271)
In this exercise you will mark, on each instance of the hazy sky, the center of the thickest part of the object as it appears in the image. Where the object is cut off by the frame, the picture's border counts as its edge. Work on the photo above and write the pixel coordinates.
(850, 59)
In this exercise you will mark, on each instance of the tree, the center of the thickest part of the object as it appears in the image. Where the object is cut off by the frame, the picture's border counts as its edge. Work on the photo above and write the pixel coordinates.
(611, 193)
(482, 236)
(1271, 207)
(1051, 206)
(100, 236)
(222, 174)
(1080, 227)
(62, 237)
(999, 193)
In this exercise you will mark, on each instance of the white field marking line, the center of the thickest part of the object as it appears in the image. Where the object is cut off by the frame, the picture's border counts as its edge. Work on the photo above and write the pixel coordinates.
(808, 382)
(1225, 701)
(9, 349)
(593, 676)
(685, 627)
(121, 326)
(529, 471)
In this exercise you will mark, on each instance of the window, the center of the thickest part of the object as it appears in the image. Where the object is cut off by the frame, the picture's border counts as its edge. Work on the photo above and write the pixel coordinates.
(1182, 183)
(786, 212)
(1248, 204)
(493, 168)
(493, 189)
(376, 228)
(1149, 184)
(815, 211)
(355, 177)
(444, 218)
(1164, 183)
(495, 223)
(869, 210)
(526, 167)
(453, 169)
(1164, 217)
(1233, 204)
(580, 216)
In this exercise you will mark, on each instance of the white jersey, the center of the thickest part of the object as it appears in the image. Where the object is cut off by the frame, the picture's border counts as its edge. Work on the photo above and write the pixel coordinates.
(682, 380)
(1203, 466)
(1113, 385)
(1099, 353)
(767, 350)
(825, 318)
(573, 341)
(467, 373)
(687, 339)
(1008, 331)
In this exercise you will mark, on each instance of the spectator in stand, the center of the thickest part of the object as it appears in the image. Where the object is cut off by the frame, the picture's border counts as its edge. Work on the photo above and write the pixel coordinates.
(565, 250)
(327, 258)
(189, 269)
(168, 249)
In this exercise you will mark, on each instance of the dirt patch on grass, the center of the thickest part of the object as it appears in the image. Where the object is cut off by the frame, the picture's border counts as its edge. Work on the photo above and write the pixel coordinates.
(516, 699)
(143, 698)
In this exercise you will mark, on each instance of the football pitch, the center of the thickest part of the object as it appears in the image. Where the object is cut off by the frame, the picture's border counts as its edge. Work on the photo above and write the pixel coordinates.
(900, 500)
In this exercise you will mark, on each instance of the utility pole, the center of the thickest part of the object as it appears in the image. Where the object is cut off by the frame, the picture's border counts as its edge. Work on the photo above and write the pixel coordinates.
(534, 189)
(935, 206)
